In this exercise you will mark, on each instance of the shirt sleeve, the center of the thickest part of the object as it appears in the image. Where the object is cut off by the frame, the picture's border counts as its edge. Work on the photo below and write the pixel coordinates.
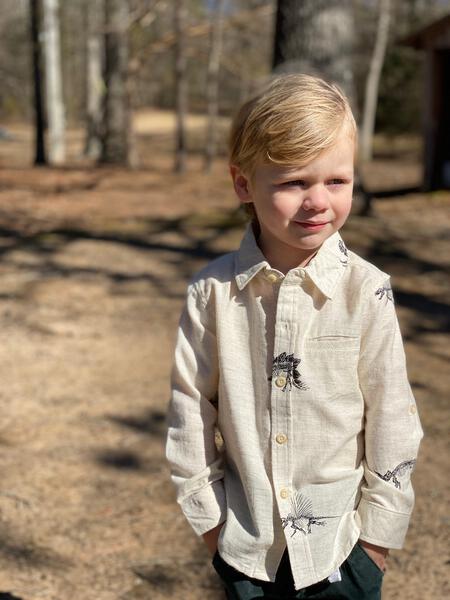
(392, 427)
(196, 464)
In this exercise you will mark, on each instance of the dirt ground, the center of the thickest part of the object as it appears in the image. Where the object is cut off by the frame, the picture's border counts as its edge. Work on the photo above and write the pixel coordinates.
(93, 271)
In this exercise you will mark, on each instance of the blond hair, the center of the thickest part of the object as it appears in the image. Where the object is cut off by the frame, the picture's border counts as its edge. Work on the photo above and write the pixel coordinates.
(289, 123)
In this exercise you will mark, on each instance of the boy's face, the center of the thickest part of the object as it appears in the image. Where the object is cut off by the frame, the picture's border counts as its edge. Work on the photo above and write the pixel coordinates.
(299, 208)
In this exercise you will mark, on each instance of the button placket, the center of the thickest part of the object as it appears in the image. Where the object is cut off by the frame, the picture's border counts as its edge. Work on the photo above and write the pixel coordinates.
(281, 438)
(281, 395)
(285, 493)
(280, 381)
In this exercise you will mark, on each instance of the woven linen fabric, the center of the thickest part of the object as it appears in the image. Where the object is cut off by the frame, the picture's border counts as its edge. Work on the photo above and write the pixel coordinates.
(303, 377)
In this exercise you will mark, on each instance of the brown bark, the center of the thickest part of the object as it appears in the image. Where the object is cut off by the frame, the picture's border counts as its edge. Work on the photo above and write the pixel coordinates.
(212, 83)
(116, 116)
(373, 80)
(316, 36)
(39, 120)
(93, 77)
(181, 85)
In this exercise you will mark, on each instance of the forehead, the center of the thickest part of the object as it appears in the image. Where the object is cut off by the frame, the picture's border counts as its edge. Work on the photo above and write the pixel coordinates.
(339, 158)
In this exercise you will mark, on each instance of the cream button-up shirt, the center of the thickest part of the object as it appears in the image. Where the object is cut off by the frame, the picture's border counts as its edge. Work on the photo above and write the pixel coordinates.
(302, 378)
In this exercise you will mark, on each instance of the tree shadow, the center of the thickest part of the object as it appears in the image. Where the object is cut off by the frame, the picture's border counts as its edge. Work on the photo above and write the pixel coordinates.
(127, 461)
(176, 576)
(17, 549)
(193, 244)
(183, 243)
(120, 459)
(151, 422)
(388, 254)
(392, 193)
(438, 312)
(432, 315)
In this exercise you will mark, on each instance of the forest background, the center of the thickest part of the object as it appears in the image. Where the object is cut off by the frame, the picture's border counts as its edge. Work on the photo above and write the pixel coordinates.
(125, 108)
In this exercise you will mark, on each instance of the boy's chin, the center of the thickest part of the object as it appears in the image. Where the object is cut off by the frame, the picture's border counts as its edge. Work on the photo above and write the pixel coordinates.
(312, 239)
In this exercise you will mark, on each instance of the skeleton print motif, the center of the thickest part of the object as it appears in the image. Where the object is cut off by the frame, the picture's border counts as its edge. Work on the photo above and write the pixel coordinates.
(385, 291)
(342, 248)
(401, 470)
(302, 518)
(344, 251)
(286, 364)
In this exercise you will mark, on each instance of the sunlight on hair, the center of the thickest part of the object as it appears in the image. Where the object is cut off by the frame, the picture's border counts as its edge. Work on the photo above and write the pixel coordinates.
(290, 122)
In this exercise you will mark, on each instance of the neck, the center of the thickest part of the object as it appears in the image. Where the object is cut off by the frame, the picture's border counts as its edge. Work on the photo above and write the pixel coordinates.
(285, 262)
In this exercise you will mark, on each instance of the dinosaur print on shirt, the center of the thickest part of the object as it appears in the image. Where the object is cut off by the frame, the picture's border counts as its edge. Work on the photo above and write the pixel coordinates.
(302, 518)
(385, 291)
(401, 470)
(286, 365)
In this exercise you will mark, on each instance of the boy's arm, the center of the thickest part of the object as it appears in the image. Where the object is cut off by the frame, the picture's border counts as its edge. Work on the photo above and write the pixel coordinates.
(392, 426)
(196, 466)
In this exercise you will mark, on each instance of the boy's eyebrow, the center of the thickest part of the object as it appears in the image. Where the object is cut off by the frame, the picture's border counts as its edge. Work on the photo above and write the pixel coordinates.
(303, 172)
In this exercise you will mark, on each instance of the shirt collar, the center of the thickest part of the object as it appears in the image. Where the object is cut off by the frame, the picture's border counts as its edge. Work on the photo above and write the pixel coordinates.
(325, 269)
(250, 259)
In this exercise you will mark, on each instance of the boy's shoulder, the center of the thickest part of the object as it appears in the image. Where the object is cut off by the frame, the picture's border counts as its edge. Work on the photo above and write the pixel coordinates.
(364, 274)
(219, 271)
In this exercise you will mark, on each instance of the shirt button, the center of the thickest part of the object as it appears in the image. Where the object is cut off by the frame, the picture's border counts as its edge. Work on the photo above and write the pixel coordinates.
(280, 381)
(281, 438)
(272, 277)
(284, 493)
(412, 409)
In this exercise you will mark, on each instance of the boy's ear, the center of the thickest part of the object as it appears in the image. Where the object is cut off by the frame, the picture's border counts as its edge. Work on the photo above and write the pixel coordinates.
(241, 184)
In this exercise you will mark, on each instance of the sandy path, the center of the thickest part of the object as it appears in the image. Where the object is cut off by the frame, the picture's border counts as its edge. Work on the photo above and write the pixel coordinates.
(92, 278)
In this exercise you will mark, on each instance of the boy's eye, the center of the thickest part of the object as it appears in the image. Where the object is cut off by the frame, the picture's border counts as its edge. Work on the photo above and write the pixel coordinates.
(295, 182)
(336, 181)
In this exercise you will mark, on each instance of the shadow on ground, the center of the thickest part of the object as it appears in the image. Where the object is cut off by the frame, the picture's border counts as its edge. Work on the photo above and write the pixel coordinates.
(175, 579)
(185, 242)
(182, 242)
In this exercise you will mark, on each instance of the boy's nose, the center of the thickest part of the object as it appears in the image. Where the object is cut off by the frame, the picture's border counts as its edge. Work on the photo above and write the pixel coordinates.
(315, 199)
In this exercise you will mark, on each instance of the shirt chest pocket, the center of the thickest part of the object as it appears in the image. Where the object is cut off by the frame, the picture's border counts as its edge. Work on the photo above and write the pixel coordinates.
(332, 363)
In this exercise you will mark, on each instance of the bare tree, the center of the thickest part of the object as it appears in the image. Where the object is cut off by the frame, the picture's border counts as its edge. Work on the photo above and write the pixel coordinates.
(53, 78)
(94, 78)
(181, 85)
(116, 114)
(212, 83)
(373, 80)
(35, 19)
(316, 36)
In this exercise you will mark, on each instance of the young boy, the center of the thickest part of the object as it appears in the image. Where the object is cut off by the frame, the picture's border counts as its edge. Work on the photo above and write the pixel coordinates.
(290, 348)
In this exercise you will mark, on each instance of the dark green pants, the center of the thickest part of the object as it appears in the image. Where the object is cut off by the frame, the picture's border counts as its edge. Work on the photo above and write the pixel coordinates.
(361, 580)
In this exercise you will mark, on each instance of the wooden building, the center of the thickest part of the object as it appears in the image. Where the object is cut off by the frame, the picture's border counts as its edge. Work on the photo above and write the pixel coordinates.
(434, 40)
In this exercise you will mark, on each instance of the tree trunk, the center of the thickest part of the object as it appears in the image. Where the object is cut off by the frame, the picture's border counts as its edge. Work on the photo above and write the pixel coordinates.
(94, 79)
(373, 80)
(39, 121)
(116, 116)
(316, 37)
(53, 78)
(181, 86)
(212, 83)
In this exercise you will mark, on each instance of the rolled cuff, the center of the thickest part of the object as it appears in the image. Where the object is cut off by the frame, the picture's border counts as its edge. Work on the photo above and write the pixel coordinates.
(382, 527)
(206, 508)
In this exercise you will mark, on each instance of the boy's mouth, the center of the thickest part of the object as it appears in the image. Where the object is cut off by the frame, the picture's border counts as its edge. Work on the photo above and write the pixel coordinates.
(312, 225)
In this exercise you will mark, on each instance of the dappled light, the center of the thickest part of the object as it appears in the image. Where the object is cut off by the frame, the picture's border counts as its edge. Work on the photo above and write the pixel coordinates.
(114, 191)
